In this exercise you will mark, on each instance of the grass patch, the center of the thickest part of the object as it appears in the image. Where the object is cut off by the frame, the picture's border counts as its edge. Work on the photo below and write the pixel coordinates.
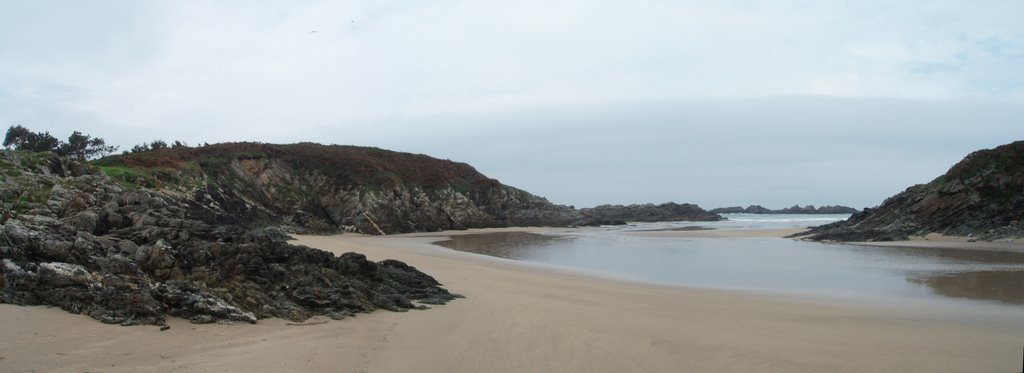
(129, 177)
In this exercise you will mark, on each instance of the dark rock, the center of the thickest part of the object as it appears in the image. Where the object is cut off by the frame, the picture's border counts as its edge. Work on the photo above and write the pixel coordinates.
(135, 256)
(187, 299)
(981, 196)
(795, 209)
(312, 188)
(604, 214)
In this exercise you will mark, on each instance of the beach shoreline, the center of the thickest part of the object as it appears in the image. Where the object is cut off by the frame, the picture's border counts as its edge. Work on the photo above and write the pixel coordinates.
(938, 241)
(520, 317)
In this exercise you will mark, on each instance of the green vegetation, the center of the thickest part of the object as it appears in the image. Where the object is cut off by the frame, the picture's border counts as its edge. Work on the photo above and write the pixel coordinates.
(150, 177)
(128, 177)
(159, 164)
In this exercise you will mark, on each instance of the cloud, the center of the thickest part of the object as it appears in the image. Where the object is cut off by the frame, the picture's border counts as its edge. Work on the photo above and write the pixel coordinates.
(547, 95)
(774, 151)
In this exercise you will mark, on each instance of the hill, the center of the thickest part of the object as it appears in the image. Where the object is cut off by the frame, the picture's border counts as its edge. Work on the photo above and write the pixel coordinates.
(316, 188)
(981, 196)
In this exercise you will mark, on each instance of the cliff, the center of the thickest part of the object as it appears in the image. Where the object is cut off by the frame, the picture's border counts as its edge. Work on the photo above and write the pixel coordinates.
(325, 189)
(981, 196)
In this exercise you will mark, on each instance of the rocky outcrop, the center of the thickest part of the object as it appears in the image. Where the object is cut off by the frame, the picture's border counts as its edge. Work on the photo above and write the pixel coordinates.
(73, 238)
(795, 209)
(981, 196)
(618, 214)
(326, 189)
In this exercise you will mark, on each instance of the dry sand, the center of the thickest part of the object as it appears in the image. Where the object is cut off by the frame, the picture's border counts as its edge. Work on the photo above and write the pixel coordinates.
(519, 317)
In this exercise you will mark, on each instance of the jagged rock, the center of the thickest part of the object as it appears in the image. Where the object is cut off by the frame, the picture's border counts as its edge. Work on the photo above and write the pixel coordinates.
(84, 221)
(158, 260)
(186, 299)
(126, 256)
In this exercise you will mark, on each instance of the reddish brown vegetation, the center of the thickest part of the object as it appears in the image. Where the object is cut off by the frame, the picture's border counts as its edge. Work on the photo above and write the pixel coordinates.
(347, 165)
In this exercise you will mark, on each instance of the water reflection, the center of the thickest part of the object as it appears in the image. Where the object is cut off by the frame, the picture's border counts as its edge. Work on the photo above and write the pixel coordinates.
(1003, 286)
(770, 264)
(510, 245)
(948, 255)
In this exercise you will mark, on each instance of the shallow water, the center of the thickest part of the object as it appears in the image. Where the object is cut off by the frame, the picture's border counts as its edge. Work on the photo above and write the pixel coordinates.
(768, 264)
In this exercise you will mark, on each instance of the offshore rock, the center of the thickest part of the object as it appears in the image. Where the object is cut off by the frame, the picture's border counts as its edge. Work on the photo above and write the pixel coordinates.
(614, 214)
(795, 209)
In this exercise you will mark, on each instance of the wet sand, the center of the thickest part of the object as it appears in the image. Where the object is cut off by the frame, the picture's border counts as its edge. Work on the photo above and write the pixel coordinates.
(939, 241)
(519, 317)
(719, 233)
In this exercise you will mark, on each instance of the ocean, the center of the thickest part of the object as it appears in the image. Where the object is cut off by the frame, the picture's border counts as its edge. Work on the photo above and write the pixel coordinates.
(771, 265)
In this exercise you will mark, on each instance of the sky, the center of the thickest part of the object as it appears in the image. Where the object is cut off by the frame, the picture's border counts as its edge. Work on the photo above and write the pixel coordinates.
(719, 103)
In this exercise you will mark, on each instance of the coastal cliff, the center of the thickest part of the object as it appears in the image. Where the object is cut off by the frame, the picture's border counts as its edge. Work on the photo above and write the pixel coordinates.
(981, 196)
(328, 189)
(313, 188)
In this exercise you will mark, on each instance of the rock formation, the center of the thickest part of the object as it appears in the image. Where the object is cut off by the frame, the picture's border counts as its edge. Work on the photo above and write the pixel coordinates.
(795, 209)
(74, 238)
(200, 233)
(981, 196)
(326, 189)
(618, 214)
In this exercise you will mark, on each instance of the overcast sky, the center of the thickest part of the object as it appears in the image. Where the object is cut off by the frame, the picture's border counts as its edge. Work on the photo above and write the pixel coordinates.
(718, 103)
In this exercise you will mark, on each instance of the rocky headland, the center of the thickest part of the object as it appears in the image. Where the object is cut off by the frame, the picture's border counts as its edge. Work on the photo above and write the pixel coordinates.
(795, 209)
(313, 188)
(201, 233)
(75, 238)
(982, 196)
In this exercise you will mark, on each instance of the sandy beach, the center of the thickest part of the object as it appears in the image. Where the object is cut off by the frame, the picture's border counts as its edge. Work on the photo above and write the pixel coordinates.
(519, 317)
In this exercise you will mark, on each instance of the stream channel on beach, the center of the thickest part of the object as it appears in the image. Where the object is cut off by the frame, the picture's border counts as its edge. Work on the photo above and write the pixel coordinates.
(773, 265)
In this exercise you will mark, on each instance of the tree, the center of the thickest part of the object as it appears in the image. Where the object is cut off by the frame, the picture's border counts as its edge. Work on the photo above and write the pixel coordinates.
(39, 142)
(84, 147)
(140, 148)
(16, 136)
(157, 144)
(78, 145)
